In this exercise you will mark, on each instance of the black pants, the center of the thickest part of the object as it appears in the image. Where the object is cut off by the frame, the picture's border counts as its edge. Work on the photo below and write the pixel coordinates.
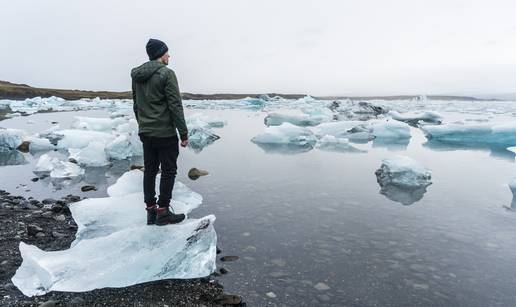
(159, 151)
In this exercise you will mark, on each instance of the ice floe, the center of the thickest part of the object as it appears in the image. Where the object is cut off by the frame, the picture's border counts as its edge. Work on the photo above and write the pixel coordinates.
(403, 179)
(331, 143)
(115, 225)
(92, 155)
(414, 118)
(302, 120)
(286, 133)
(473, 134)
(10, 139)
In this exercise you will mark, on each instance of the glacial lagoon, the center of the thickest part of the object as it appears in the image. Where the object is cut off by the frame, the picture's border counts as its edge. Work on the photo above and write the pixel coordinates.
(309, 221)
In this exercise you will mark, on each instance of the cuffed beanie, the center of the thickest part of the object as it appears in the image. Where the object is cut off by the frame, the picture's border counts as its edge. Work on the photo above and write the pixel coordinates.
(155, 48)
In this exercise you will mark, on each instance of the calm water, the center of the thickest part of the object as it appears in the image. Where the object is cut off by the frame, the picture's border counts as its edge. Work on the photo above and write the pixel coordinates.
(312, 227)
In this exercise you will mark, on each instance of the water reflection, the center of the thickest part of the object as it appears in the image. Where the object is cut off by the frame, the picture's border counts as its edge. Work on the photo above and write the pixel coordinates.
(404, 196)
(285, 149)
(500, 152)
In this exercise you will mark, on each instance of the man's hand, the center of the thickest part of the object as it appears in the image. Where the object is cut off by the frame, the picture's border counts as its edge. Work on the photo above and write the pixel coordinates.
(184, 143)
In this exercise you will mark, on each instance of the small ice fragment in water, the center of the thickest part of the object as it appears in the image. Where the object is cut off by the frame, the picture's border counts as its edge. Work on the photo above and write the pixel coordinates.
(92, 155)
(403, 179)
(10, 139)
(413, 118)
(286, 133)
(403, 171)
(66, 170)
(303, 120)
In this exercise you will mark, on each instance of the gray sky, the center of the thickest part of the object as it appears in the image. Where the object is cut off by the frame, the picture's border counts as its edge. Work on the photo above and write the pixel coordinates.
(357, 47)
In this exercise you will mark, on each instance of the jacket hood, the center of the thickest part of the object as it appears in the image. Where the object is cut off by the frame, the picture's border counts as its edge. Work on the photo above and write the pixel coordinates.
(143, 72)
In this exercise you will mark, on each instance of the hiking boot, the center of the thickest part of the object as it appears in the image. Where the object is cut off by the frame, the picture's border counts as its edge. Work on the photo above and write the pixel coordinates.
(165, 217)
(151, 214)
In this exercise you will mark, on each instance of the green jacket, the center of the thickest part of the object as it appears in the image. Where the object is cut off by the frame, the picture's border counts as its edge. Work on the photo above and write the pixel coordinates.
(157, 101)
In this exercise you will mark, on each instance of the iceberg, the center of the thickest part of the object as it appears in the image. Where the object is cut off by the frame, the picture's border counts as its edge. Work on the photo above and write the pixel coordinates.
(199, 137)
(286, 133)
(473, 134)
(66, 170)
(120, 148)
(390, 129)
(79, 138)
(97, 124)
(403, 171)
(92, 155)
(45, 165)
(204, 121)
(362, 110)
(352, 130)
(403, 179)
(303, 120)
(331, 143)
(413, 118)
(39, 144)
(10, 139)
(185, 250)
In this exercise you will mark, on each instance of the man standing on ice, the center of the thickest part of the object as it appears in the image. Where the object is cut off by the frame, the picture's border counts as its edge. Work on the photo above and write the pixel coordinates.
(159, 111)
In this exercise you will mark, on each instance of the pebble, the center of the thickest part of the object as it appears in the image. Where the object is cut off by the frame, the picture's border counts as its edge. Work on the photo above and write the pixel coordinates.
(229, 258)
(270, 294)
(32, 229)
(321, 286)
(87, 188)
(47, 201)
(60, 218)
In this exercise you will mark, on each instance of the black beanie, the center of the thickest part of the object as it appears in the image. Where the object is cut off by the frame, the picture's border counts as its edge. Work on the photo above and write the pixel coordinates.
(156, 48)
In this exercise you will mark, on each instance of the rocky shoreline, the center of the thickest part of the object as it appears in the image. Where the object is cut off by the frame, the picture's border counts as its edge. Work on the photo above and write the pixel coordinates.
(49, 225)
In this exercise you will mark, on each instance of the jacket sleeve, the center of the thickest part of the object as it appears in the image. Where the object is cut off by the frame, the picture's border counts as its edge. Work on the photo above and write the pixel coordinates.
(135, 107)
(175, 105)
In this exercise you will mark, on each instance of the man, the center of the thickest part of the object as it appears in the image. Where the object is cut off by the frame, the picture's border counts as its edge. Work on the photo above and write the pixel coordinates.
(159, 111)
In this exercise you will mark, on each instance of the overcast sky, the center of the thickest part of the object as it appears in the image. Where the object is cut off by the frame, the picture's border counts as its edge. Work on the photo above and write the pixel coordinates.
(344, 47)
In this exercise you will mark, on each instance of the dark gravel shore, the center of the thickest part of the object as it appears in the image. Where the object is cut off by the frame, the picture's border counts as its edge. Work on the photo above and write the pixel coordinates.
(49, 225)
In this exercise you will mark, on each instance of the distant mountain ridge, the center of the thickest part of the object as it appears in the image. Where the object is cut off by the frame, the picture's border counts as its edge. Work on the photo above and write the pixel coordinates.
(16, 91)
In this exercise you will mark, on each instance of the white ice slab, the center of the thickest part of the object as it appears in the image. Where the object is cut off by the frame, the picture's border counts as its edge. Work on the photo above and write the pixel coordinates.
(114, 247)
(286, 133)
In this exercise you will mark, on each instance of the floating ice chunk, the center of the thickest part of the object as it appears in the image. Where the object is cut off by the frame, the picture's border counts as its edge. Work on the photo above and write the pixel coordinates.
(331, 143)
(120, 148)
(130, 126)
(80, 138)
(116, 226)
(303, 120)
(92, 155)
(352, 130)
(254, 102)
(97, 124)
(45, 165)
(403, 179)
(66, 170)
(10, 139)
(286, 133)
(12, 157)
(489, 134)
(199, 137)
(413, 118)
(362, 110)
(403, 171)
(204, 121)
(390, 129)
(39, 144)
